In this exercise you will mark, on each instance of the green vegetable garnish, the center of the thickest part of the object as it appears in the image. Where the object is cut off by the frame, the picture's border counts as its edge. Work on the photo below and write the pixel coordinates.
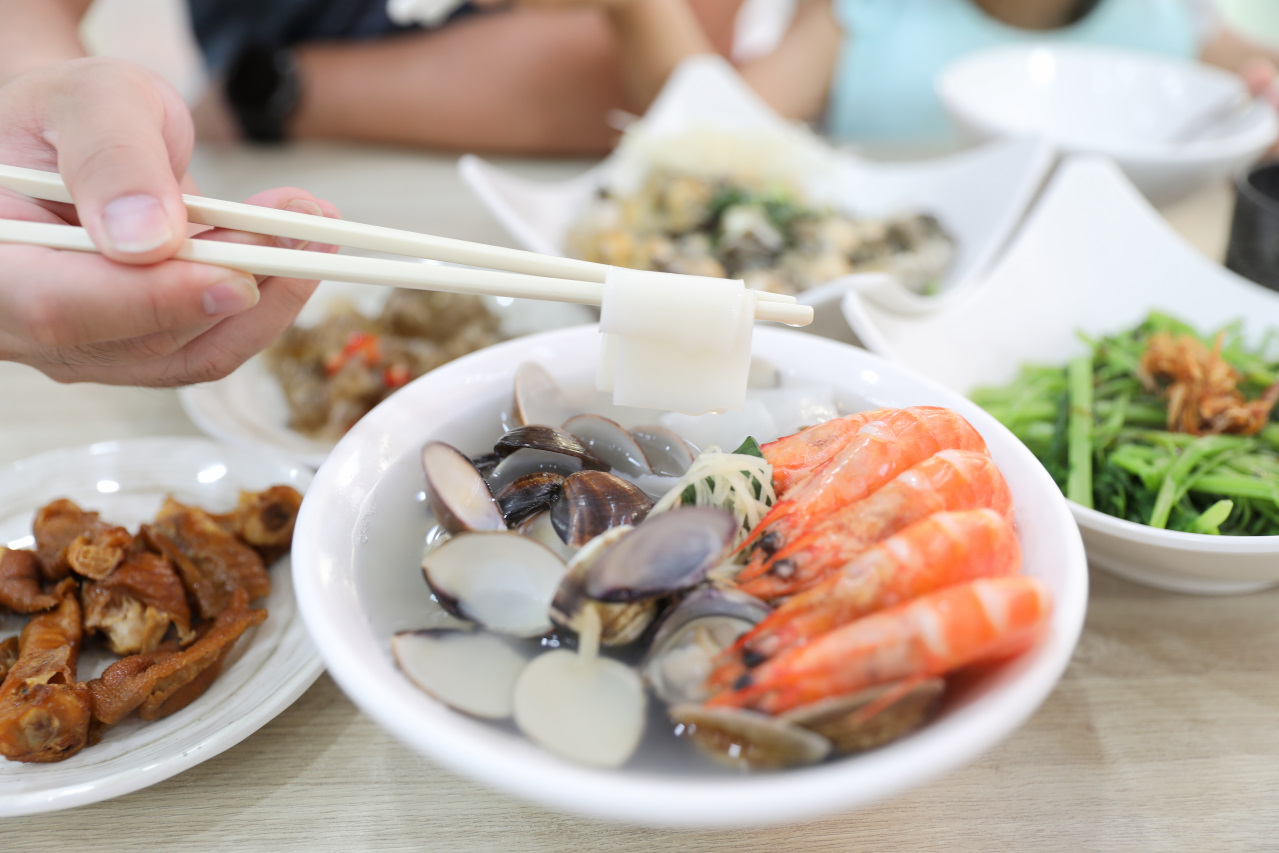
(1102, 434)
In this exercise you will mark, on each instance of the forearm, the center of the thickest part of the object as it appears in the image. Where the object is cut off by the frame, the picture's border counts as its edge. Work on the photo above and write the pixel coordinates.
(36, 33)
(517, 82)
(1233, 52)
(795, 78)
(653, 37)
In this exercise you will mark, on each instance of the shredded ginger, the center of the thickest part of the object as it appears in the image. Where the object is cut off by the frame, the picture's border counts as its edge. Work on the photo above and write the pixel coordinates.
(729, 481)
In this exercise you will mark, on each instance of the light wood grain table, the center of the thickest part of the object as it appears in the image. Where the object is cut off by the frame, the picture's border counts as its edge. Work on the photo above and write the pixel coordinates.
(1163, 734)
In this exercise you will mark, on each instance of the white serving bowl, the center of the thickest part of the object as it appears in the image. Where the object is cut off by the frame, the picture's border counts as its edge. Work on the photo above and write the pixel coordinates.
(1093, 257)
(978, 196)
(1133, 107)
(358, 546)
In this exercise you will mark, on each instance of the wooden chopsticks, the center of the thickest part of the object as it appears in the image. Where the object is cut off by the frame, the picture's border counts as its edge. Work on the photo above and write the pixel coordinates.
(504, 272)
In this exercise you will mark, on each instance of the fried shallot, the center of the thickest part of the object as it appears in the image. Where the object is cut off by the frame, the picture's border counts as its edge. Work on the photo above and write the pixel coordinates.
(1202, 387)
(44, 712)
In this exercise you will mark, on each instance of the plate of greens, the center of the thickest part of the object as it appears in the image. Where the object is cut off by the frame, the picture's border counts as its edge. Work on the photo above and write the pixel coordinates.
(1141, 374)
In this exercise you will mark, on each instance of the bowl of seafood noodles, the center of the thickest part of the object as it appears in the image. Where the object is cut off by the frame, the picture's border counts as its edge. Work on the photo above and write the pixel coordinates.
(628, 690)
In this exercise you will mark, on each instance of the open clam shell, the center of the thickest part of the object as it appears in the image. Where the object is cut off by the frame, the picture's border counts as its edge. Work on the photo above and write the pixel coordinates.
(609, 441)
(552, 439)
(503, 581)
(592, 502)
(444, 663)
(538, 397)
(668, 552)
(619, 623)
(539, 528)
(456, 492)
(528, 495)
(689, 637)
(848, 722)
(528, 461)
(667, 453)
(748, 740)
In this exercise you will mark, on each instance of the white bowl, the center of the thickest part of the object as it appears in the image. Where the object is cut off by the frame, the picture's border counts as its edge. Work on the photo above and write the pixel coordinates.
(358, 546)
(1092, 257)
(978, 196)
(1133, 107)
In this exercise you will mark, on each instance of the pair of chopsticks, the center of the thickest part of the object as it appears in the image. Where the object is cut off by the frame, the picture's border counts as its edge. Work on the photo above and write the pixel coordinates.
(506, 272)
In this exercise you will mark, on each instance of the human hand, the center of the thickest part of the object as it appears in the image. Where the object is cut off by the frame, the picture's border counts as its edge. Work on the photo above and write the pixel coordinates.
(122, 138)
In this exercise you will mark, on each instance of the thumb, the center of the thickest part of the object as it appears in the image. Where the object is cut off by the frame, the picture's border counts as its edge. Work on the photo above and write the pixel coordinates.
(123, 138)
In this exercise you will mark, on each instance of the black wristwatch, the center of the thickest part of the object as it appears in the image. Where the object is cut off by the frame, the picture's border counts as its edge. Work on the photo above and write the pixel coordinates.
(263, 89)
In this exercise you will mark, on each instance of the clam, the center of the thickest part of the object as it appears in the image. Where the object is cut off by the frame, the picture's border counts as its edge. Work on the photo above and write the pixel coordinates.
(539, 528)
(619, 623)
(550, 439)
(444, 663)
(456, 492)
(528, 495)
(538, 398)
(521, 463)
(690, 635)
(581, 706)
(609, 441)
(592, 502)
(859, 721)
(503, 581)
(666, 451)
(668, 552)
(748, 740)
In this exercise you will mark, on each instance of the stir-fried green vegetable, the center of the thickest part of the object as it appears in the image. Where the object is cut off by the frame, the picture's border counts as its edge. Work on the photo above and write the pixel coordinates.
(1102, 433)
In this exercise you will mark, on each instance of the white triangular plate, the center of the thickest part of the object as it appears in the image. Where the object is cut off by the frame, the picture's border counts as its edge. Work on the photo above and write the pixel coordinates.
(1093, 257)
(979, 195)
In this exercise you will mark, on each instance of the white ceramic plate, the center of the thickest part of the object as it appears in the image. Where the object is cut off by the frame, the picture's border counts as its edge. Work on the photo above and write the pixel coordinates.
(248, 408)
(1133, 107)
(268, 669)
(1092, 257)
(356, 561)
(979, 196)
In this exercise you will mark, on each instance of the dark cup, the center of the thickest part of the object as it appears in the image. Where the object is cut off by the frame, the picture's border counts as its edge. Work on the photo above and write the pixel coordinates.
(1253, 251)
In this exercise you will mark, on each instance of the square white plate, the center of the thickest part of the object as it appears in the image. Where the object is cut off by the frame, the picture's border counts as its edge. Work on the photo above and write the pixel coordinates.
(979, 196)
(1093, 257)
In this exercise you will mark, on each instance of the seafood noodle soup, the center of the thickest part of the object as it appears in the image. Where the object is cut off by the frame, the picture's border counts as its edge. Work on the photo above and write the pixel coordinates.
(412, 614)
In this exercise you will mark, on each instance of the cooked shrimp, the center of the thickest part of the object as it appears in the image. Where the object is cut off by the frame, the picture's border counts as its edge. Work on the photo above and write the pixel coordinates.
(794, 457)
(881, 449)
(943, 549)
(974, 622)
(947, 480)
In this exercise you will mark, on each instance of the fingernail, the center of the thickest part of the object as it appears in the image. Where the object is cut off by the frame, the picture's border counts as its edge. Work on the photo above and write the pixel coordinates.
(231, 296)
(136, 223)
(299, 205)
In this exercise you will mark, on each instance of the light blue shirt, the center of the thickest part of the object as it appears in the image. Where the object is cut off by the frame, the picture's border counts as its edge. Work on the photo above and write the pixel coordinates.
(882, 90)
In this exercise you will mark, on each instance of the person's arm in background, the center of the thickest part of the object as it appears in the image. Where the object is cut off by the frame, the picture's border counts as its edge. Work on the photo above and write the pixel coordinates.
(1257, 64)
(522, 81)
(654, 36)
(121, 138)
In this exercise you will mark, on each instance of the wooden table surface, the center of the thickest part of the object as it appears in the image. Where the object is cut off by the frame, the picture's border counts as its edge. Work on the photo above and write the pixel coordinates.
(1162, 735)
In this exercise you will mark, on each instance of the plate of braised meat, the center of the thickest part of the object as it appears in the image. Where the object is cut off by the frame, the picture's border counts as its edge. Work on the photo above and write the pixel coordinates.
(147, 619)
